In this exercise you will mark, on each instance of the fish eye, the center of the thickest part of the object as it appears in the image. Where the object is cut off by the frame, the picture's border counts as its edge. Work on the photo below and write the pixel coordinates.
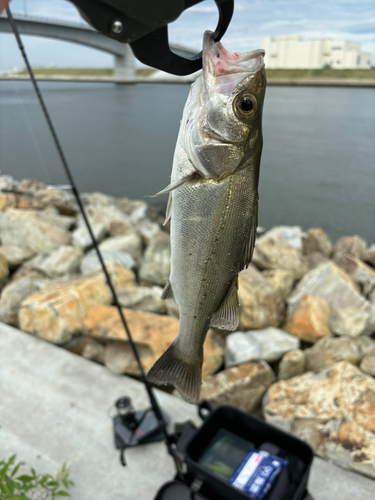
(245, 105)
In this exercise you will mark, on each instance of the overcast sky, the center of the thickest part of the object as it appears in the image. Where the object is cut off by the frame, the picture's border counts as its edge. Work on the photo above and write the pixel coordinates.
(253, 19)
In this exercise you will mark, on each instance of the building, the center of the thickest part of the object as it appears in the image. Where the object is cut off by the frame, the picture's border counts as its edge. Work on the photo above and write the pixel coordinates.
(292, 52)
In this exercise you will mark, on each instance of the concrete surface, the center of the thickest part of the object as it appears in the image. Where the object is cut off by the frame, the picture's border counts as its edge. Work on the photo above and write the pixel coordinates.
(54, 408)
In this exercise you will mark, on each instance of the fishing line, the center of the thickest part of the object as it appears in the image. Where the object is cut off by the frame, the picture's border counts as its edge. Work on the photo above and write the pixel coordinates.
(168, 438)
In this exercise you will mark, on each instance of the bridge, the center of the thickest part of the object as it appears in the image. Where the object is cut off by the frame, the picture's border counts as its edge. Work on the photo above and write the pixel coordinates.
(82, 34)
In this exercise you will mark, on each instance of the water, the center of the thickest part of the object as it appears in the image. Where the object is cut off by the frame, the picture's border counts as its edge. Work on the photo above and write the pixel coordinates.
(318, 164)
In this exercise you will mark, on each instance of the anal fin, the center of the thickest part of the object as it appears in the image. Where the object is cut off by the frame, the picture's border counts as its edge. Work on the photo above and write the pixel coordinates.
(227, 316)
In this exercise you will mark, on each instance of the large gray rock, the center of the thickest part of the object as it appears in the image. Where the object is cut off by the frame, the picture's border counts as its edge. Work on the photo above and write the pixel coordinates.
(273, 252)
(333, 410)
(281, 280)
(82, 238)
(63, 261)
(369, 255)
(242, 386)
(147, 230)
(348, 246)
(156, 263)
(143, 298)
(352, 314)
(261, 305)
(90, 263)
(362, 275)
(293, 235)
(328, 351)
(4, 269)
(292, 364)
(317, 240)
(34, 230)
(12, 296)
(16, 255)
(368, 363)
(130, 243)
(269, 344)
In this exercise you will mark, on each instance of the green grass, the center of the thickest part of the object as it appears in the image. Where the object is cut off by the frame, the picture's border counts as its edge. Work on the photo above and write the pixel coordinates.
(142, 73)
(294, 74)
(321, 73)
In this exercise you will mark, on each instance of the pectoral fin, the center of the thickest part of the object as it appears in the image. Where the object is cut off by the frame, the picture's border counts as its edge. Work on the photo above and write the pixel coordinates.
(168, 292)
(174, 185)
(250, 243)
(227, 316)
(169, 209)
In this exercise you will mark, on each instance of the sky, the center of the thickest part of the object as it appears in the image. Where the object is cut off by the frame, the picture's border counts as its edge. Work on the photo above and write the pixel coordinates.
(252, 20)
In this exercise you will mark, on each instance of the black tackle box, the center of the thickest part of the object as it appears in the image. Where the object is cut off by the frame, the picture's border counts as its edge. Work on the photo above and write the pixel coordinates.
(290, 484)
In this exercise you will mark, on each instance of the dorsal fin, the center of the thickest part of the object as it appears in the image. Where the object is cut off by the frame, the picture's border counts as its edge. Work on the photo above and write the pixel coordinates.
(227, 316)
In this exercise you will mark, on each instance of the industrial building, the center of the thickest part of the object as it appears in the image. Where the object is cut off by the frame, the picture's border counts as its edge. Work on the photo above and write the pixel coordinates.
(292, 52)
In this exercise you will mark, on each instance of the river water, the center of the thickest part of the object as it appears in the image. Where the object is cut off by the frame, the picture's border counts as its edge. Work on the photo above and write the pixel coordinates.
(318, 163)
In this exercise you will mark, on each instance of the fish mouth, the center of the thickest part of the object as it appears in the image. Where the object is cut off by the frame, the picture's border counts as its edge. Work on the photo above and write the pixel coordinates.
(225, 69)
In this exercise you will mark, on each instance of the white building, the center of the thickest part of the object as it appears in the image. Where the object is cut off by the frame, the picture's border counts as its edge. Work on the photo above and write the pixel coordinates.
(292, 52)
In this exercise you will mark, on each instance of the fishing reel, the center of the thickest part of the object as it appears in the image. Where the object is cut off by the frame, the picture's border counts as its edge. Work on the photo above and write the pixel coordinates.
(133, 428)
(144, 25)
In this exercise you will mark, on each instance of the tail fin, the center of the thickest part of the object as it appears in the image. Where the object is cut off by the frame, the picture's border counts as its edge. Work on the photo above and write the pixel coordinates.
(172, 368)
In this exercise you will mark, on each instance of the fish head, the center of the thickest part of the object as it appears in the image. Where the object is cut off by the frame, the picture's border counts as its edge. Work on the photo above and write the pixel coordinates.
(222, 121)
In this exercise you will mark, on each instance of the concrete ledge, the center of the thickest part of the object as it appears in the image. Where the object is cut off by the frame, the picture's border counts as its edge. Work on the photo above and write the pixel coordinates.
(55, 408)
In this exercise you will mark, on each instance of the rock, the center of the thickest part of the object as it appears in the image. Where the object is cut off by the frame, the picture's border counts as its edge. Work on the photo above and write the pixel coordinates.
(90, 262)
(333, 410)
(7, 200)
(12, 296)
(328, 351)
(63, 261)
(368, 364)
(281, 280)
(313, 259)
(291, 364)
(143, 298)
(317, 240)
(94, 351)
(293, 235)
(130, 243)
(4, 269)
(260, 304)
(81, 236)
(119, 357)
(33, 230)
(242, 387)
(369, 255)
(62, 200)
(152, 332)
(273, 252)
(361, 274)
(351, 313)
(147, 230)
(120, 228)
(16, 255)
(348, 246)
(309, 320)
(269, 344)
(67, 221)
(58, 312)
(7, 183)
(156, 263)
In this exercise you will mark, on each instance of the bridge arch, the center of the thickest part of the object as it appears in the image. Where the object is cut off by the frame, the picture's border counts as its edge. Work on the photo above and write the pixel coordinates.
(124, 60)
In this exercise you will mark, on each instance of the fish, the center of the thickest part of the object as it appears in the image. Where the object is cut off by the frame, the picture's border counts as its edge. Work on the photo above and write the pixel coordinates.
(212, 206)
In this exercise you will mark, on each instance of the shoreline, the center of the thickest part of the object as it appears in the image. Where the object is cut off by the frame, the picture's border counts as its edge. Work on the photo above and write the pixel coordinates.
(304, 82)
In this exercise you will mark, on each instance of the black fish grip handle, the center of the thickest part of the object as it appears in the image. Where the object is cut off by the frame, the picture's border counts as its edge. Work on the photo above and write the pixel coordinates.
(144, 25)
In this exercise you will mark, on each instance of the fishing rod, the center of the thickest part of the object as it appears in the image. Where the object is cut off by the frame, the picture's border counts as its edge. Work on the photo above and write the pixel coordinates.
(155, 406)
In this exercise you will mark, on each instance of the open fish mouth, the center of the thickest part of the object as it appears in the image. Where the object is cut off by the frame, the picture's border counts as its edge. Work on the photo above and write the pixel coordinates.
(224, 69)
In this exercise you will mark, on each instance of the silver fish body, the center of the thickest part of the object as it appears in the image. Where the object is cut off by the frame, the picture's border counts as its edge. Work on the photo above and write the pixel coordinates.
(213, 207)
